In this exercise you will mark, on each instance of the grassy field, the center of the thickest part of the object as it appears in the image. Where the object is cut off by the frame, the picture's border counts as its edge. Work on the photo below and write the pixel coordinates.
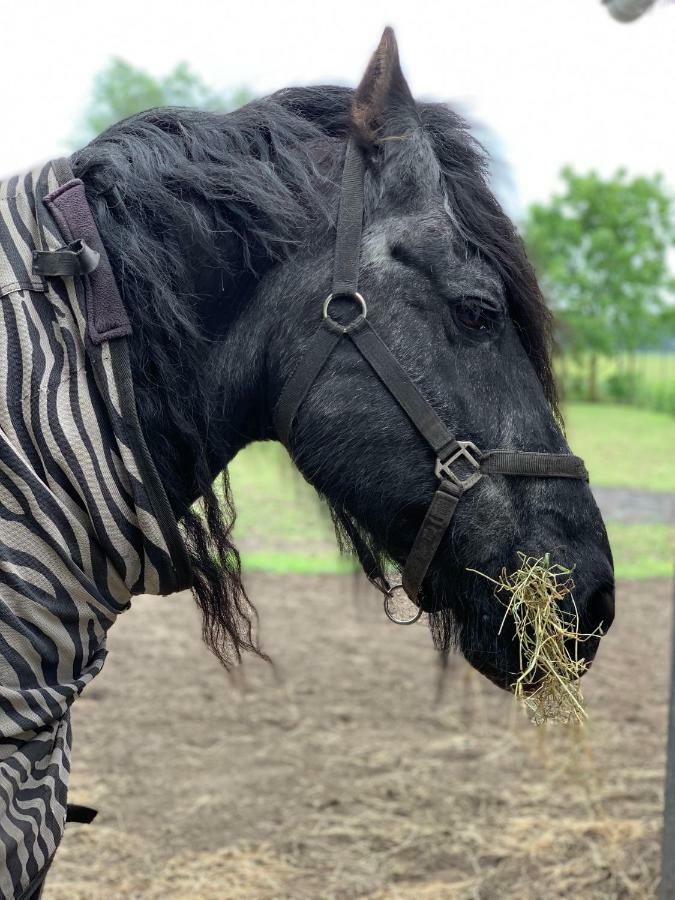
(646, 380)
(642, 551)
(282, 527)
(623, 446)
(653, 368)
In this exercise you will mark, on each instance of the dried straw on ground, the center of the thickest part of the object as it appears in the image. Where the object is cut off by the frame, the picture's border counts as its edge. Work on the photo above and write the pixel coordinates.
(344, 780)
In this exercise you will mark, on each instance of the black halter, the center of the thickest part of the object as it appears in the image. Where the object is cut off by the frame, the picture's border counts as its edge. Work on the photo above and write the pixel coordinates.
(447, 450)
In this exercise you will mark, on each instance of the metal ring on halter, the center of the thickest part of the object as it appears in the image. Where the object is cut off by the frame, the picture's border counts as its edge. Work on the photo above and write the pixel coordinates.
(344, 329)
(389, 596)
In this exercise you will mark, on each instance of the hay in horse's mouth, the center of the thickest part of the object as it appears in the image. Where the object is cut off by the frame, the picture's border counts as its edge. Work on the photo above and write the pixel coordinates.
(549, 679)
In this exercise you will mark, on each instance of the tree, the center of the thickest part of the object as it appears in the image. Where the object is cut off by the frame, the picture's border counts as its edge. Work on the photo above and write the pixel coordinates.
(601, 248)
(120, 90)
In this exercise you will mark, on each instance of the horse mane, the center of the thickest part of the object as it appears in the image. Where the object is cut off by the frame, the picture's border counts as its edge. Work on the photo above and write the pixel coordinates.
(491, 233)
(236, 192)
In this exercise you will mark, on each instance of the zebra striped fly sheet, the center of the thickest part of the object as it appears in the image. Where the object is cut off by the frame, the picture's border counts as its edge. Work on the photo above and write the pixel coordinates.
(84, 521)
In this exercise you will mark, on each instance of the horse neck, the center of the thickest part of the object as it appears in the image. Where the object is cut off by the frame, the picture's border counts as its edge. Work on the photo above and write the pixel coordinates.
(195, 424)
(198, 372)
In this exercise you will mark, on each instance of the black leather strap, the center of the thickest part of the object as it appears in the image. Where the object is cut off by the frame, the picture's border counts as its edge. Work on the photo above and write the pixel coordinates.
(75, 812)
(426, 543)
(385, 365)
(364, 336)
(323, 343)
(535, 465)
(398, 383)
(345, 281)
(349, 224)
(76, 258)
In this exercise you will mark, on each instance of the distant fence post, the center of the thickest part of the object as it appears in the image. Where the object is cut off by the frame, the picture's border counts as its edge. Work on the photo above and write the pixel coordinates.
(668, 845)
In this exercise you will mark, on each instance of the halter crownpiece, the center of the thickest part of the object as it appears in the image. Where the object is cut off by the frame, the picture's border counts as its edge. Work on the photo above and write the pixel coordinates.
(452, 457)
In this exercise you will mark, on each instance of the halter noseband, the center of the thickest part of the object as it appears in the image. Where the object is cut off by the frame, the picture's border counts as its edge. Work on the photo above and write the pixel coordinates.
(447, 450)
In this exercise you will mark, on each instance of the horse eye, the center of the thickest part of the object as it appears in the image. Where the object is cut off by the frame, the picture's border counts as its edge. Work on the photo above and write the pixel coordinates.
(475, 315)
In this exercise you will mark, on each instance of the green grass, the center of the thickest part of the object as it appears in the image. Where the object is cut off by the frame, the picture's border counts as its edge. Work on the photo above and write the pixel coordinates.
(276, 508)
(283, 528)
(286, 563)
(623, 446)
(642, 551)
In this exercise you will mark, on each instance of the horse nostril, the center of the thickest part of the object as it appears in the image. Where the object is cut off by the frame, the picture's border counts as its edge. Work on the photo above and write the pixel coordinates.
(600, 608)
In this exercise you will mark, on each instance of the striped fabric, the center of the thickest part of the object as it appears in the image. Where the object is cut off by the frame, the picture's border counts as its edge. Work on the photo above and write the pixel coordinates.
(78, 531)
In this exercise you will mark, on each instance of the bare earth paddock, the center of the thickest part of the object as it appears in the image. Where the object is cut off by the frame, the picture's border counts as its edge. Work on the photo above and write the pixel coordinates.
(341, 773)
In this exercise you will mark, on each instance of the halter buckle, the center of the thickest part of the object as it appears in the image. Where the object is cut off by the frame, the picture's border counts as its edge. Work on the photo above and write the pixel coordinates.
(469, 453)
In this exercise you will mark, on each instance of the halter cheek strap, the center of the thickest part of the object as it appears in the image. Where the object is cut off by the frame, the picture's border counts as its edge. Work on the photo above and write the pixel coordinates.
(448, 451)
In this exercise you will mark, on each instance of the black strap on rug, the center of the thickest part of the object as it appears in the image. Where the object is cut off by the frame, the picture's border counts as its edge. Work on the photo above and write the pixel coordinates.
(76, 258)
(82, 814)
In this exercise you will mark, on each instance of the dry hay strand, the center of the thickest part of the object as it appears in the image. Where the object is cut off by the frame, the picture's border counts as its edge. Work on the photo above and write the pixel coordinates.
(240, 872)
(549, 680)
(98, 862)
(119, 864)
(430, 890)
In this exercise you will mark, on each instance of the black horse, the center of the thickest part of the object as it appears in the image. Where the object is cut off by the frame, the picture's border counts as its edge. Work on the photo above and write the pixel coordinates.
(220, 230)
(221, 234)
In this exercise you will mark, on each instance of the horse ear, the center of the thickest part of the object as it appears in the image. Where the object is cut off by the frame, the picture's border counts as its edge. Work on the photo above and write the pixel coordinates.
(383, 105)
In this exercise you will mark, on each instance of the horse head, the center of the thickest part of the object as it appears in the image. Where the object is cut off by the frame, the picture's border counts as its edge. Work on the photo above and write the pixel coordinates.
(233, 253)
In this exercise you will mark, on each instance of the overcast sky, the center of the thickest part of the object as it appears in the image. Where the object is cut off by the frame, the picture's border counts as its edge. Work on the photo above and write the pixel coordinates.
(557, 80)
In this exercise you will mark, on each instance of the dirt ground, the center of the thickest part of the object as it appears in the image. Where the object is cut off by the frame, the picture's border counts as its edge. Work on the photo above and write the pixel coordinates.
(341, 773)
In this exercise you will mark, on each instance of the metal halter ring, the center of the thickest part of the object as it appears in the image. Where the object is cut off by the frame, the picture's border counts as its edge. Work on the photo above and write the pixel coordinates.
(391, 614)
(344, 329)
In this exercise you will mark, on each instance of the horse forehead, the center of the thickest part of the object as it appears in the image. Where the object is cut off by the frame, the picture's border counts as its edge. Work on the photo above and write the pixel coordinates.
(430, 232)
(411, 178)
(409, 206)
(432, 245)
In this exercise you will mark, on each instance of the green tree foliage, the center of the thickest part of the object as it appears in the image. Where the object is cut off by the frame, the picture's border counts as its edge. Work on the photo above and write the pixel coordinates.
(601, 248)
(120, 90)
